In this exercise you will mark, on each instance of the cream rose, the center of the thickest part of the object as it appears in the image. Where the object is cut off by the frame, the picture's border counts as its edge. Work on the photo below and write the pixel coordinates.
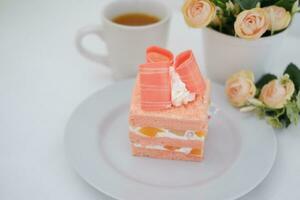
(279, 18)
(275, 94)
(251, 24)
(198, 13)
(240, 88)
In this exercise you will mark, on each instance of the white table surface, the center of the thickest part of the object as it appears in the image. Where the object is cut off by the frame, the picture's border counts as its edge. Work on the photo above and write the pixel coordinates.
(42, 80)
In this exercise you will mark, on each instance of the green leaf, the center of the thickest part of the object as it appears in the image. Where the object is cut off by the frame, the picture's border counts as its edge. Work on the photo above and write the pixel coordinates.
(295, 8)
(285, 120)
(279, 112)
(292, 112)
(220, 3)
(247, 4)
(226, 16)
(274, 112)
(287, 4)
(256, 102)
(275, 122)
(263, 81)
(265, 3)
(298, 100)
(260, 112)
(247, 108)
(293, 71)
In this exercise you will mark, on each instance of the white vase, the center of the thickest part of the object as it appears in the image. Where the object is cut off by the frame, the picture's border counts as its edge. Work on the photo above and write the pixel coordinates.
(225, 54)
(294, 27)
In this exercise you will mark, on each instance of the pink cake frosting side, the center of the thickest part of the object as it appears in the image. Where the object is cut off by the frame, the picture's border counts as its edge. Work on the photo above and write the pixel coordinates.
(137, 139)
(192, 116)
(170, 155)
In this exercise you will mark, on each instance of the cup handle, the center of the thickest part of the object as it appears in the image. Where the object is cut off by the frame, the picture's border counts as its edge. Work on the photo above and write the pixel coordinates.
(81, 34)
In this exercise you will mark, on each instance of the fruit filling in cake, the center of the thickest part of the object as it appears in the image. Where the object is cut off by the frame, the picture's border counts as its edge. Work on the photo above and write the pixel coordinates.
(184, 150)
(165, 133)
(168, 116)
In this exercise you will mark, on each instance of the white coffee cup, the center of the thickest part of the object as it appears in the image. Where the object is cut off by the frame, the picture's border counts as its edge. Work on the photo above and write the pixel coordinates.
(126, 45)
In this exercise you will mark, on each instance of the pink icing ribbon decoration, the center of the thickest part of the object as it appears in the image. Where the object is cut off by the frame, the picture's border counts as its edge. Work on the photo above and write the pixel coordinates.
(189, 72)
(155, 54)
(155, 81)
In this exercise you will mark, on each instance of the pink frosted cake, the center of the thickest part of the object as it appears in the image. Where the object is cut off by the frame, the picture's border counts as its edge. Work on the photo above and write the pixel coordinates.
(168, 116)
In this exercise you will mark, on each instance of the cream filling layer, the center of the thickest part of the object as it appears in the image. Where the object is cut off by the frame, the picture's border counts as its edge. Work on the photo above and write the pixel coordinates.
(165, 133)
(180, 95)
(185, 150)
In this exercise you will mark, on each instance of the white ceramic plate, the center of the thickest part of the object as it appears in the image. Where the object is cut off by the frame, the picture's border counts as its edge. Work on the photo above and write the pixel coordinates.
(239, 153)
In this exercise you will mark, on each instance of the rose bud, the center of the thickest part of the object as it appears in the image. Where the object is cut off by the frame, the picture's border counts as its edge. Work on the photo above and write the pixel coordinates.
(198, 13)
(251, 24)
(279, 18)
(240, 88)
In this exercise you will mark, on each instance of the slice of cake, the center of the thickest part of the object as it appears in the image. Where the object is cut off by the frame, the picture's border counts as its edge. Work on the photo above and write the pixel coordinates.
(169, 108)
